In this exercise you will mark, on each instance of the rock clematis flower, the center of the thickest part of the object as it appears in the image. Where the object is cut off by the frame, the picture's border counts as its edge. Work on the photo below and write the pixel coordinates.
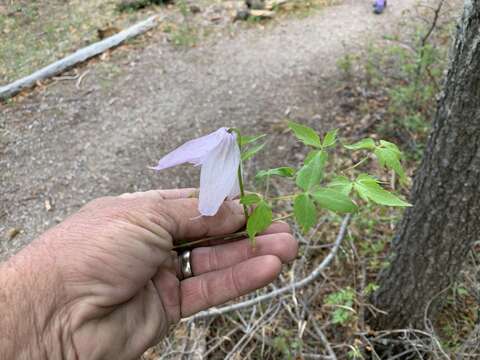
(219, 156)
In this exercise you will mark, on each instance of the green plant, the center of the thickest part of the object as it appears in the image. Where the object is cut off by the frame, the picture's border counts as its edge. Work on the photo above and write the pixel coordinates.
(345, 64)
(340, 192)
(355, 353)
(183, 7)
(184, 35)
(407, 73)
(317, 190)
(342, 303)
(370, 289)
(287, 346)
(374, 58)
(129, 6)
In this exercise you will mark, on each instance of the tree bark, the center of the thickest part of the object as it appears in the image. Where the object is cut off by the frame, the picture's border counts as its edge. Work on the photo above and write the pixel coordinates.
(436, 234)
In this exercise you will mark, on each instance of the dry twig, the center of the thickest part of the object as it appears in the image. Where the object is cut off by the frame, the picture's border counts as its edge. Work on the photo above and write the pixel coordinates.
(296, 285)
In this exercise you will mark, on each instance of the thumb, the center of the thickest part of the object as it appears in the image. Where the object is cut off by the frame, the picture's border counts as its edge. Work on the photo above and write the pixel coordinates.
(184, 222)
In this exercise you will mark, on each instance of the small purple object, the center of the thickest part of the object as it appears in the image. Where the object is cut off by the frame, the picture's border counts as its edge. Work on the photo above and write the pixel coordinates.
(379, 6)
(219, 155)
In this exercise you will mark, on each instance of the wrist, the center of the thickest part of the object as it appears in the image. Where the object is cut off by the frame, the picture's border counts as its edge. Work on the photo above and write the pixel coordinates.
(31, 321)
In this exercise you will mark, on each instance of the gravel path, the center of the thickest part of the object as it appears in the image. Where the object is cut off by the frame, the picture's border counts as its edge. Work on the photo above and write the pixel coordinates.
(66, 145)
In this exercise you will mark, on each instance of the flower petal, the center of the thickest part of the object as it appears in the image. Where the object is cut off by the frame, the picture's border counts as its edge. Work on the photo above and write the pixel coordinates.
(193, 151)
(235, 189)
(218, 175)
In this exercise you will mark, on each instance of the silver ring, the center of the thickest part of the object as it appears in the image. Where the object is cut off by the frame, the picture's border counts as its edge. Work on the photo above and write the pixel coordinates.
(185, 265)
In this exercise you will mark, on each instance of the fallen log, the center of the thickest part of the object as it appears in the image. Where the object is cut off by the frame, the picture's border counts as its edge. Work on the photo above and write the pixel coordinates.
(79, 56)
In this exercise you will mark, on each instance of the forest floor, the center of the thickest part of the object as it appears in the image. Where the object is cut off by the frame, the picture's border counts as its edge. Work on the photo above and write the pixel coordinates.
(95, 130)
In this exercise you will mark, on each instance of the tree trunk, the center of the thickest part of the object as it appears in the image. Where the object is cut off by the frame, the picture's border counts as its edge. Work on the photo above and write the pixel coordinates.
(435, 235)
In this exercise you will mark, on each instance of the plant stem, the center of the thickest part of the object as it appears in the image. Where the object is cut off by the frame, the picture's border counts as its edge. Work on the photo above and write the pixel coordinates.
(239, 173)
(242, 191)
(280, 218)
(267, 186)
(234, 236)
(357, 164)
(284, 197)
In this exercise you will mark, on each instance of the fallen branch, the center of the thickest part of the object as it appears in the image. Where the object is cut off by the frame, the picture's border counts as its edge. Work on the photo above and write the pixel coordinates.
(79, 56)
(298, 284)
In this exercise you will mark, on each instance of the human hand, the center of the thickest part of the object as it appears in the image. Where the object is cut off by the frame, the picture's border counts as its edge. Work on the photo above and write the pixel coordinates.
(113, 274)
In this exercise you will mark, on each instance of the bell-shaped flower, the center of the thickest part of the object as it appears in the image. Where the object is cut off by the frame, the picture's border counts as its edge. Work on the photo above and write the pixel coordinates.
(219, 155)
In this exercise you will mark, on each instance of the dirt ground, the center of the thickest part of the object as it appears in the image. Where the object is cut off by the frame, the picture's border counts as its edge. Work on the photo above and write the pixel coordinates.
(65, 144)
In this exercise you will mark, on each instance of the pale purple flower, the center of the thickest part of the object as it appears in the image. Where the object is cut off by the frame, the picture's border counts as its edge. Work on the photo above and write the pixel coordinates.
(219, 155)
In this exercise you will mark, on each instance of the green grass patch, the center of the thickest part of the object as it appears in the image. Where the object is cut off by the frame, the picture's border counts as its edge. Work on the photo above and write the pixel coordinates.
(37, 33)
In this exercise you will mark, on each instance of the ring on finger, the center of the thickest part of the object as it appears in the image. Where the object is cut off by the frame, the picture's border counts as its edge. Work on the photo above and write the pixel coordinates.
(185, 264)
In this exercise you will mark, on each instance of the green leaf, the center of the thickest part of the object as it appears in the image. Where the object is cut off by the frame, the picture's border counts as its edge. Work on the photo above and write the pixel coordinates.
(334, 200)
(281, 171)
(362, 144)
(305, 211)
(249, 153)
(305, 134)
(341, 316)
(311, 174)
(259, 220)
(250, 199)
(343, 299)
(245, 140)
(330, 138)
(341, 184)
(392, 147)
(389, 158)
(310, 156)
(368, 189)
